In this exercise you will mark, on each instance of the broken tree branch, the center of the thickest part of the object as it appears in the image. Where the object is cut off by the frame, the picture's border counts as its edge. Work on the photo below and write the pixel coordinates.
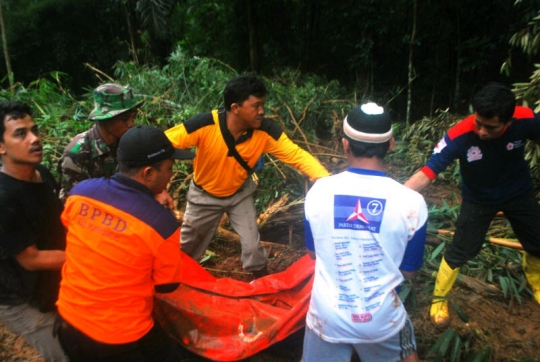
(498, 241)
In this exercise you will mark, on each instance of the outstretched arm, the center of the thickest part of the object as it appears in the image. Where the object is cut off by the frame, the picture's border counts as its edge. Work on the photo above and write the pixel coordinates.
(418, 182)
(291, 154)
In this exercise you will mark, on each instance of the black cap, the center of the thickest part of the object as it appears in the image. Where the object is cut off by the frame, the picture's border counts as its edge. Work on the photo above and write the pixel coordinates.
(146, 145)
(368, 123)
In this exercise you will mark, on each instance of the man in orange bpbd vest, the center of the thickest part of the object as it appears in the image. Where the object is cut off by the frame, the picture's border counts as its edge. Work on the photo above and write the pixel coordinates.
(123, 246)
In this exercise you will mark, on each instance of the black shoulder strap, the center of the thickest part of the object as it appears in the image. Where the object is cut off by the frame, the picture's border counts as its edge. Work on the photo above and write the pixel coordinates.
(229, 141)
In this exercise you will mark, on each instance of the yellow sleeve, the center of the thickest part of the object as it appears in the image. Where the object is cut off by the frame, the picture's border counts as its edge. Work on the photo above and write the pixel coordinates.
(180, 138)
(291, 154)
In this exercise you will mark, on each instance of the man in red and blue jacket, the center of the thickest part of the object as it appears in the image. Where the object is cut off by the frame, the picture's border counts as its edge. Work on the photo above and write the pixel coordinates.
(490, 147)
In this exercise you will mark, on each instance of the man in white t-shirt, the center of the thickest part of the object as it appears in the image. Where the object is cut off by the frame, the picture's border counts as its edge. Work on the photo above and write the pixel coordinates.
(367, 233)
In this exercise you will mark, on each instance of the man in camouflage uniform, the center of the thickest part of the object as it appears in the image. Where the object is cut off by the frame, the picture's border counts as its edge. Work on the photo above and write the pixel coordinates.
(92, 153)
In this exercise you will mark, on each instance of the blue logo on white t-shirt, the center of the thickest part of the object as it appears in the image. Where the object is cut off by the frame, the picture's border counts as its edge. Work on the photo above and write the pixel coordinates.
(358, 213)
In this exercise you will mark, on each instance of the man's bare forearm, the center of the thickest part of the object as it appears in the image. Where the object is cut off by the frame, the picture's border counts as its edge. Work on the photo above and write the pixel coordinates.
(32, 258)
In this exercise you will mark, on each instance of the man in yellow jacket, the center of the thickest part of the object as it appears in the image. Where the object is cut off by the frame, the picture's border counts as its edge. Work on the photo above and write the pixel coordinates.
(229, 141)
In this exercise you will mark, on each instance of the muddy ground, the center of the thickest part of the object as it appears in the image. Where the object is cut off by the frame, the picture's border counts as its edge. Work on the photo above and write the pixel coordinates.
(505, 330)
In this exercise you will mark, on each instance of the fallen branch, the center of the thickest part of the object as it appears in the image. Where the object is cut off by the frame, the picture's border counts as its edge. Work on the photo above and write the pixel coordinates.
(305, 111)
(498, 241)
(261, 220)
(98, 71)
(297, 126)
(478, 286)
(275, 164)
(228, 271)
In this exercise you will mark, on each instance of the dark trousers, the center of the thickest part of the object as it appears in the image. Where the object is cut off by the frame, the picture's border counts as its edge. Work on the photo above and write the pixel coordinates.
(155, 346)
(523, 213)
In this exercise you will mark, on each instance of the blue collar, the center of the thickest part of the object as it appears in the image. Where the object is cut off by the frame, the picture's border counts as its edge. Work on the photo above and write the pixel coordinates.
(365, 171)
(129, 182)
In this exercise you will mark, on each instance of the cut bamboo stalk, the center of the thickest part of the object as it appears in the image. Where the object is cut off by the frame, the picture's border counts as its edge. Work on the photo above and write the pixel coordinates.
(485, 289)
(497, 241)
(261, 220)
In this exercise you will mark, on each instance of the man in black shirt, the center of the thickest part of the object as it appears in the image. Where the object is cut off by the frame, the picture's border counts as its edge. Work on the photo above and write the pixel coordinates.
(32, 238)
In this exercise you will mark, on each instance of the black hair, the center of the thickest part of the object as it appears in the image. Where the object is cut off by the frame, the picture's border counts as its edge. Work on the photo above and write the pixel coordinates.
(13, 110)
(239, 88)
(495, 100)
(368, 150)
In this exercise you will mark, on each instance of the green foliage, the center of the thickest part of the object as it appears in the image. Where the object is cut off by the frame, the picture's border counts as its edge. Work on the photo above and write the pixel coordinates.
(155, 15)
(452, 347)
(179, 90)
(302, 105)
(449, 343)
(55, 110)
(307, 104)
(444, 216)
(64, 35)
(511, 286)
(419, 140)
(211, 29)
(532, 155)
(307, 107)
(494, 264)
(439, 250)
(529, 95)
(528, 38)
(502, 266)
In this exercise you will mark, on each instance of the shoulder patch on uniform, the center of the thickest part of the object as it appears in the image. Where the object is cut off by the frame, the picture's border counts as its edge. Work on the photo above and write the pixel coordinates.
(199, 121)
(465, 126)
(271, 128)
(523, 112)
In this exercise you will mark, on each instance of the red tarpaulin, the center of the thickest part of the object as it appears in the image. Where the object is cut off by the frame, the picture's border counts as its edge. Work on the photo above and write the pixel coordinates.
(224, 319)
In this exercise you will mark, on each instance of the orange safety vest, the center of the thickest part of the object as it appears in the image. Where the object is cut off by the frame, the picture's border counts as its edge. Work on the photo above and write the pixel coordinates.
(121, 243)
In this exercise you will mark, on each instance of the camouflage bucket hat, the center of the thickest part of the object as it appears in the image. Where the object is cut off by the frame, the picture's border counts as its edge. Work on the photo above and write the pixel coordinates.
(113, 99)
